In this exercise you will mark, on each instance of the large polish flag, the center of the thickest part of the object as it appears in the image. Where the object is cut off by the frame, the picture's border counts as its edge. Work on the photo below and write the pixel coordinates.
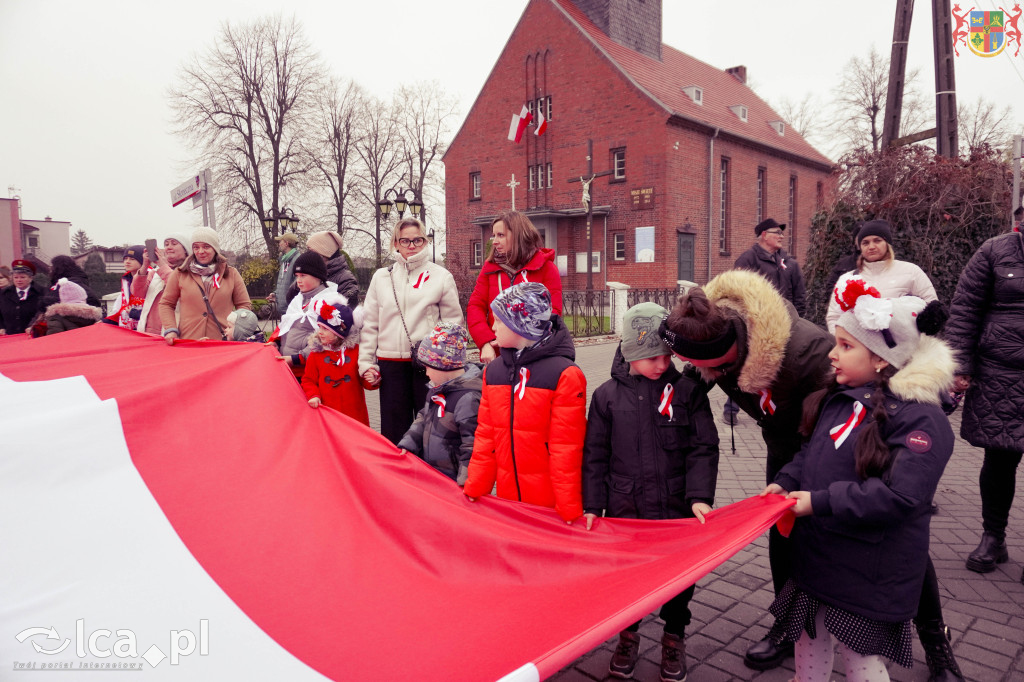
(182, 511)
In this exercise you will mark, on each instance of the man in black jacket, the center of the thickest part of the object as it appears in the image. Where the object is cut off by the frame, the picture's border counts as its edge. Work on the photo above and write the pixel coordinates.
(768, 258)
(19, 302)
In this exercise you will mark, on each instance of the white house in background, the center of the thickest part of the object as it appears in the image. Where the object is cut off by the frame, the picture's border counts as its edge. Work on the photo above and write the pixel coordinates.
(40, 240)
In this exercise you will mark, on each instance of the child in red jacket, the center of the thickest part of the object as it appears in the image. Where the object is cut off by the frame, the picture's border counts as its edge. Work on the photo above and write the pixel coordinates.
(532, 418)
(332, 375)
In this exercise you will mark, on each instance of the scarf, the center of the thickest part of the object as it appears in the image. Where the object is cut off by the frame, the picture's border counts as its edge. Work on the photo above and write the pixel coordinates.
(203, 270)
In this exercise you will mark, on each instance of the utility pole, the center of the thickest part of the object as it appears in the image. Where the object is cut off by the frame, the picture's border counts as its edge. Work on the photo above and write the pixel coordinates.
(947, 142)
(897, 72)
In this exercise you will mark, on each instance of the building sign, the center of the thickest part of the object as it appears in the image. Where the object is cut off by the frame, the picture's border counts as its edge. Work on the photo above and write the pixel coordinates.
(642, 198)
(644, 245)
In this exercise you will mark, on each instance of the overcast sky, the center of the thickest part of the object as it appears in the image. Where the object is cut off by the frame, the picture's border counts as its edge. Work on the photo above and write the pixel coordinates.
(85, 126)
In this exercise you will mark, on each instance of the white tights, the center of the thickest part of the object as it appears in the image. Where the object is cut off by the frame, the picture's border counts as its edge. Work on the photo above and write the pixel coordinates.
(814, 658)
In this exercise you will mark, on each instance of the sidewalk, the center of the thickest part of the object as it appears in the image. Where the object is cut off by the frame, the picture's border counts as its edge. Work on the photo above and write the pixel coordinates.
(985, 612)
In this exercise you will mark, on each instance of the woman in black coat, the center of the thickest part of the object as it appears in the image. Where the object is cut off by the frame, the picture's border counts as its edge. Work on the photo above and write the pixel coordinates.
(986, 329)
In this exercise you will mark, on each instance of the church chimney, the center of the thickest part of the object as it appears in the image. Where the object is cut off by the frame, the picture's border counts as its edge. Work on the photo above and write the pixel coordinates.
(739, 73)
(635, 24)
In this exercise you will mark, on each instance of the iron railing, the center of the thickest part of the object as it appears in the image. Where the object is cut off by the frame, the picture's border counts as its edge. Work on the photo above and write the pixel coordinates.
(587, 313)
(666, 298)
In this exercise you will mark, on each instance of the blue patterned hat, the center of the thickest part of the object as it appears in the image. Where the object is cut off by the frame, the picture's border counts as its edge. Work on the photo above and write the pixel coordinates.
(525, 309)
(444, 348)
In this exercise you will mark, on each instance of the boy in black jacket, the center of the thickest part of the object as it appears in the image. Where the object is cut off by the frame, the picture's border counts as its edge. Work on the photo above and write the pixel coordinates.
(651, 452)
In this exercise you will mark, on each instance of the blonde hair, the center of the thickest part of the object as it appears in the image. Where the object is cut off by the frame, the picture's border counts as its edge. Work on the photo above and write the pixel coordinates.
(890, 256)
(523, 238)
(403, 223)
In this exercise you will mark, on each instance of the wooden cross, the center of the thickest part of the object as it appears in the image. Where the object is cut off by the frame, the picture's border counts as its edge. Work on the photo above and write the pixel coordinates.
(513, 184)
(588, 201)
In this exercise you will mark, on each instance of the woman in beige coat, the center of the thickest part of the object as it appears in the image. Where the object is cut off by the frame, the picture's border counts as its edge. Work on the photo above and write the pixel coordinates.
(403, 303)
(208, 288)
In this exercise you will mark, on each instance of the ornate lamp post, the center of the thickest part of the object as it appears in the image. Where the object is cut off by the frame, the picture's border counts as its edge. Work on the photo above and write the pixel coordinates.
(401, 203)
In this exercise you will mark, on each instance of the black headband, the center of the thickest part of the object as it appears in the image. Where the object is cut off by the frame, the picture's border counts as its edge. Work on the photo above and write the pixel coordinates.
(698, 350)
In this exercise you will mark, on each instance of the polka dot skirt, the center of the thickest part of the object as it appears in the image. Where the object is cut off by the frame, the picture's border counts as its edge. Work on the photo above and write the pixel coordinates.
(794, 612)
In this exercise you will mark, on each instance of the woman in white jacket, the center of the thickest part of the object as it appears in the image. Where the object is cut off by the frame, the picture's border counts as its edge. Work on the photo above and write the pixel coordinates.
(403, 303)
(878, 267)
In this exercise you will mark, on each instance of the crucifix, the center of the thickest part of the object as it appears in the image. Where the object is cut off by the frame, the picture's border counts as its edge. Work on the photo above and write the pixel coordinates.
(513, 184)
(588, 202)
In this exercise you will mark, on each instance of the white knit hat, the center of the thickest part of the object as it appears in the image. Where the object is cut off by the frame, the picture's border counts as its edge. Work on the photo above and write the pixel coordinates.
(207, 236)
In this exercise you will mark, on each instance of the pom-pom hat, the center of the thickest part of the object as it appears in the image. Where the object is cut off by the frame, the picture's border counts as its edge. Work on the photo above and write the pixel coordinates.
(890, 328)
(70, 292)
(335, 315)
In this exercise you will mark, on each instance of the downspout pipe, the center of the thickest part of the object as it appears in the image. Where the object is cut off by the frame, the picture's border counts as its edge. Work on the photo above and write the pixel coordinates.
(711, 193)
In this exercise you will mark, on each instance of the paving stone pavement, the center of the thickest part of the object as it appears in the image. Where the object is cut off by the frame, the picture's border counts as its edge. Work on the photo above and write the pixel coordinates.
(985, 612)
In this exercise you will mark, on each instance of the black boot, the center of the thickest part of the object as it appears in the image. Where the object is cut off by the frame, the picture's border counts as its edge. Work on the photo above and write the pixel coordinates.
(990, 551)
(937, 652)
(766, 654)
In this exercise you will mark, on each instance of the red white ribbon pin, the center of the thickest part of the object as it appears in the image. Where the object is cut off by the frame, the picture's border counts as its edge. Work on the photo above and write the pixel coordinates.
(439, 400)
(520, 387)
(766, 403)
(842, 431)
(665, 406)
(424, 276)
(216, 280)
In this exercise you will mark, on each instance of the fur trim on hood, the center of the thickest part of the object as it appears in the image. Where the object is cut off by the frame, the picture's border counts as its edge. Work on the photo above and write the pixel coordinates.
(929, 374)
(80, 310)
(768, 320)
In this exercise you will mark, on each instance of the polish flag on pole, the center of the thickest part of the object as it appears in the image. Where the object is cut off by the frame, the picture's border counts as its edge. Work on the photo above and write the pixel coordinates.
(518, 124)
(542, 124)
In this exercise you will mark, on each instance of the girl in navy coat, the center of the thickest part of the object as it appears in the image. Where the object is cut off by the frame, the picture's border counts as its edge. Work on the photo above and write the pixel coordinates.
(863, 486)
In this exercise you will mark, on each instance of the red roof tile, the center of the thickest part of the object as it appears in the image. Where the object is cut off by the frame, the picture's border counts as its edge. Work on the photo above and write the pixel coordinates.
(663, 81)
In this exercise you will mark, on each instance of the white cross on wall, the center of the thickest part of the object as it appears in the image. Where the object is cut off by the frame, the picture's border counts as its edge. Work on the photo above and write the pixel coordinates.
(513, 184)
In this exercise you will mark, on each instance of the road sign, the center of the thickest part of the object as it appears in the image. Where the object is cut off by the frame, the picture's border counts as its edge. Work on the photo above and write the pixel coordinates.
(187, 189)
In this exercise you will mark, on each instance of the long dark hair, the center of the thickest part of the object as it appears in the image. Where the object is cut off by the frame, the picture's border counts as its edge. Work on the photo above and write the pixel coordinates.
(65, 266)
(871, 455)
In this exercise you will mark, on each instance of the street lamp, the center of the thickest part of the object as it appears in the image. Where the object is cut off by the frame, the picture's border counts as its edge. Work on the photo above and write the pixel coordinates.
(433, 245)
(400, 203)
(285, 216)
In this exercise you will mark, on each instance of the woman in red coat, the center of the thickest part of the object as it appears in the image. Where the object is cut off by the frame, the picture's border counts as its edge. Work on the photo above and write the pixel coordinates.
(517, 255)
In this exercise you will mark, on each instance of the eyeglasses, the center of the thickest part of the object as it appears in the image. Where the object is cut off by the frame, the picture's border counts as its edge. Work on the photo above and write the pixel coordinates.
(417, 241)
(774, 231)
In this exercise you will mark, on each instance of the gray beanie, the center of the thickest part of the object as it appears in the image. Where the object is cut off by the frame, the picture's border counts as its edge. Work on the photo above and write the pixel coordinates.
(887, 326)
(640, 339)
(246, 324)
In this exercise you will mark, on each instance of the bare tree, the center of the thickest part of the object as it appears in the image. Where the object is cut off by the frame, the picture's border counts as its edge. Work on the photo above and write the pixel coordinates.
(984, 125)
(379, 146)
(426, 114)
(860, 102)
(243, 106)
(804, 117)
(332, 150)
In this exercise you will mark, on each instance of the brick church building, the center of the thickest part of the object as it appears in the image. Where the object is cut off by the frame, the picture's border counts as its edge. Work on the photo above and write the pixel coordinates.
(696, 159)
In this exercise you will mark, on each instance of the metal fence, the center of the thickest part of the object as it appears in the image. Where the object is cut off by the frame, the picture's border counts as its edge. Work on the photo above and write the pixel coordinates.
(587, 313)
(666, 298)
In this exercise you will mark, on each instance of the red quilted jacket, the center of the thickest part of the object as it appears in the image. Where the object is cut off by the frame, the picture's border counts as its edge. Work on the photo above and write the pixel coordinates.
(493, 280)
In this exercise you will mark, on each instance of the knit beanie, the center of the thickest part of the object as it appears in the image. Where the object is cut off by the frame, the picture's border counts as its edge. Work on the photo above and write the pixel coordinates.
(335, 314)
(246, 324)
(205, 235)
(182, 238)
(640, 339)
(444, 348)
(890, 328)
(877, 228)
(135, 252)
(525, 309)
(69, 291)
(310, 263)
(324, 243)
